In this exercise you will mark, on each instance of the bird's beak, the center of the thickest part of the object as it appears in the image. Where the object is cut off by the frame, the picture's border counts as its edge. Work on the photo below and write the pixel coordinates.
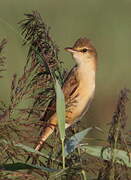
(69, 49)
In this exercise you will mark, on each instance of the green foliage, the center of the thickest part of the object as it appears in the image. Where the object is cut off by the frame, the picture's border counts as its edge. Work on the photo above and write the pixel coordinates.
(105, 153)
(29, 149)
(60, 110)
(23, 166)
(74, 141)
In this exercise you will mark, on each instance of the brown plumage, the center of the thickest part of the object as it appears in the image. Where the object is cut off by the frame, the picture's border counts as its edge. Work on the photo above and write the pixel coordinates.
(78, 88)
(83, 42)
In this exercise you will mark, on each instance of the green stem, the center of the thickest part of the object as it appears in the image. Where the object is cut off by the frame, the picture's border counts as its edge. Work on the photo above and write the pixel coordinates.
(84, 175)
(63, 153)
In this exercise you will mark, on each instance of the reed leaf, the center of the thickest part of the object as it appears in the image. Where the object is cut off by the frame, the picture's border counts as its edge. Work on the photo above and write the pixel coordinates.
(121, 156)
(60, 109)
(74, 141)
(24, 166)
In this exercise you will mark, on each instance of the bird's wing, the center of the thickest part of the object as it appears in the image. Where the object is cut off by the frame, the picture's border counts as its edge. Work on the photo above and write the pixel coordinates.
(69, 87)
(71, 83)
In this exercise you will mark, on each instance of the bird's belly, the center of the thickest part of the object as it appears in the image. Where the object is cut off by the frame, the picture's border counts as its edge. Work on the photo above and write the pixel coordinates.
(84, 101)
(81, 105)
(77, 105)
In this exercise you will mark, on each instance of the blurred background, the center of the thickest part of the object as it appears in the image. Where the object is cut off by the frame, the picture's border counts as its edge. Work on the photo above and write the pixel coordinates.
(106, 23)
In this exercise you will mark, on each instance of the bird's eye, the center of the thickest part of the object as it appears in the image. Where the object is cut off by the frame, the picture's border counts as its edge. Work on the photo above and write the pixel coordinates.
(84, 50)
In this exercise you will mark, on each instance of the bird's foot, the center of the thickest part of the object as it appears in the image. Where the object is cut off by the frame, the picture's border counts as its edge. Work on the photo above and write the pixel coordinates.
(35, 158)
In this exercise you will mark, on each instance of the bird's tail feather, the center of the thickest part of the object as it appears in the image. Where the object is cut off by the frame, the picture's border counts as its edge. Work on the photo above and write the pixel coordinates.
(45, 134)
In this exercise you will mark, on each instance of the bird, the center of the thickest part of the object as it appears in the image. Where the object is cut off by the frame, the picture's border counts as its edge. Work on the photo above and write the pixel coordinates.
(78, 88)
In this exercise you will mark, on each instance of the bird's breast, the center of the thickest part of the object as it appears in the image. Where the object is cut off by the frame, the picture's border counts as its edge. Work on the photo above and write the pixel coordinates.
(86, 92)
(83, 95)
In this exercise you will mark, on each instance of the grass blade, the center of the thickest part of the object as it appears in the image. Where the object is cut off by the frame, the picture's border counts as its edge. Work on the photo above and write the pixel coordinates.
(23, 166)
(29, 149)
(75, 140)
(121, 156)
(60, 110)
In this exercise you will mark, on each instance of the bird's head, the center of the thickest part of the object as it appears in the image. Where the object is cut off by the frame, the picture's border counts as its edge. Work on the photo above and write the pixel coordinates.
(83, 50)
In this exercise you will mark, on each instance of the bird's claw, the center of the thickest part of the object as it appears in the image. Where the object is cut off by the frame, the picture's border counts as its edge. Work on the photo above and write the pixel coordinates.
(33, 157)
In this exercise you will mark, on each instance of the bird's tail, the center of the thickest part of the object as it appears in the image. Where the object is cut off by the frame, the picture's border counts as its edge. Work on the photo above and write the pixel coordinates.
(47, 131)
(45, 134)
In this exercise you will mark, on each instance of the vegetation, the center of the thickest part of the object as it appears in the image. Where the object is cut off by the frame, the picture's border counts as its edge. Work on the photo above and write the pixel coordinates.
(20, 125)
